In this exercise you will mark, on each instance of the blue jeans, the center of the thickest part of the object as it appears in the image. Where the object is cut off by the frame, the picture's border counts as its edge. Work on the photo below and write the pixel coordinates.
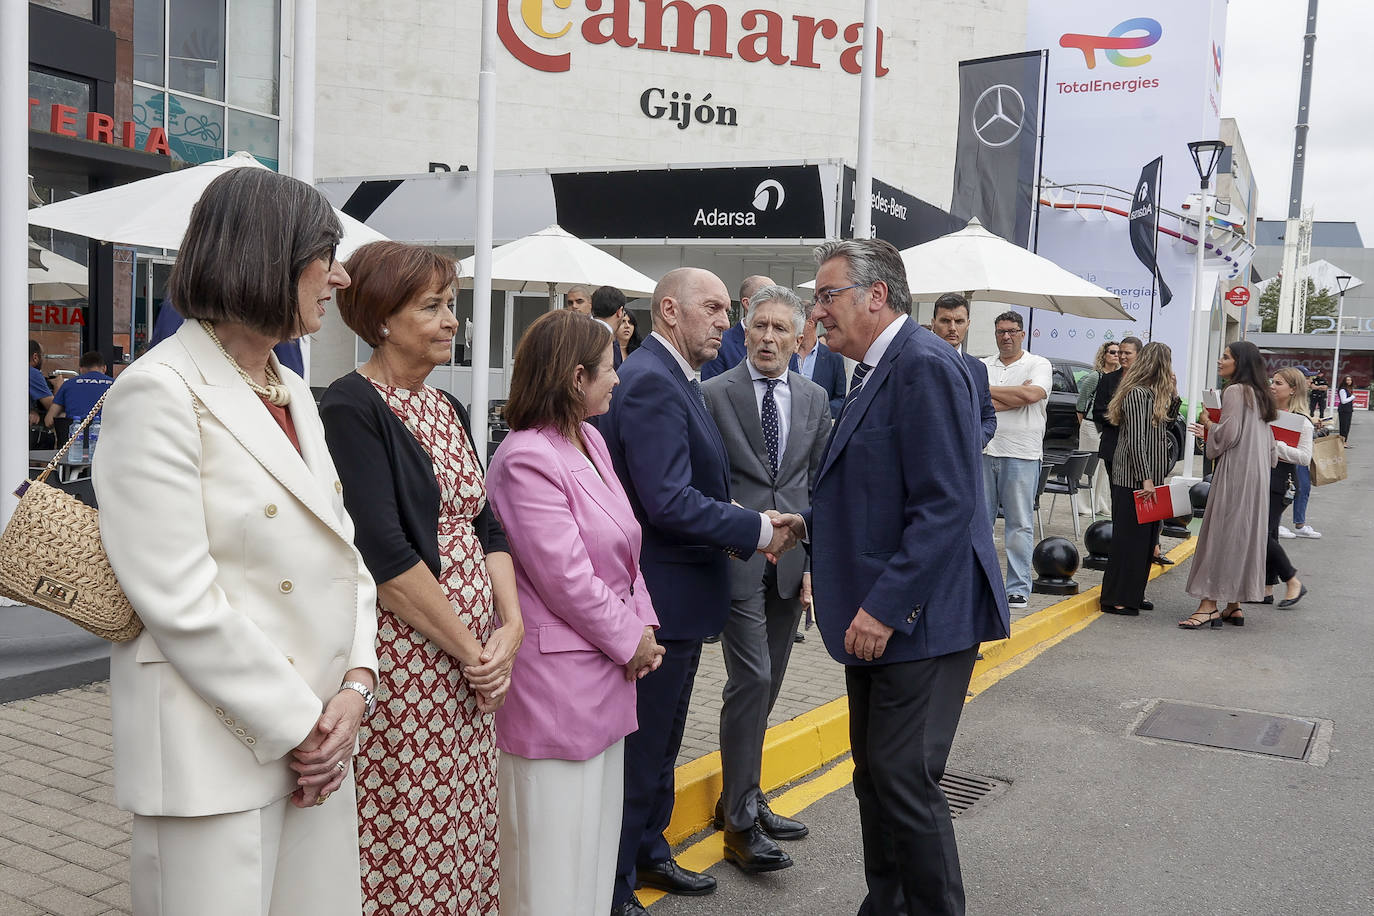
(1012, 482)
(1302, 491)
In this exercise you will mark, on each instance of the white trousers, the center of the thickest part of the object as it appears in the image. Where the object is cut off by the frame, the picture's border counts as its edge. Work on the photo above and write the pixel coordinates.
(1088, 441)
(274, 861)
(560, 833)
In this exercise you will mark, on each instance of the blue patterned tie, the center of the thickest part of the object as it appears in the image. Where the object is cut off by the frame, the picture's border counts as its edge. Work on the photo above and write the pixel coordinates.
(856, 385)
(769, 416)
(696, 389)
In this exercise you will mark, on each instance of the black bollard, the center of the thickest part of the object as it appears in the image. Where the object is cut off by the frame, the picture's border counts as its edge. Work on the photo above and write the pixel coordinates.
(1055, 560)
(1098, 540)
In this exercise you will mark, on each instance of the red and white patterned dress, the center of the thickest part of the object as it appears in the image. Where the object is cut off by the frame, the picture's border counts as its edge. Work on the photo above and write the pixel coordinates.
(426, 769)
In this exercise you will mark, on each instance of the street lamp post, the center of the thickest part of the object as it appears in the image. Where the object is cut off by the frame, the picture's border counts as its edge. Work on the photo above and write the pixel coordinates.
(1343, 282)
(1205, 155)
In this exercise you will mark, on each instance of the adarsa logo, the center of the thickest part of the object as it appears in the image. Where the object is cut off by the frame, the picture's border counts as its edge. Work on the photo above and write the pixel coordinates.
(759, 35)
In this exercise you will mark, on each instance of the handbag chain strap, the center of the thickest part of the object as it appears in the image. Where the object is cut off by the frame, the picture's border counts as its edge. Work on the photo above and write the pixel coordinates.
(72, 437)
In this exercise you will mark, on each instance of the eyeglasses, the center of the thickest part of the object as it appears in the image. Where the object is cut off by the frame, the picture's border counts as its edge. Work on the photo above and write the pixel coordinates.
(1008, 332)
(828, 296)
(1113, 352)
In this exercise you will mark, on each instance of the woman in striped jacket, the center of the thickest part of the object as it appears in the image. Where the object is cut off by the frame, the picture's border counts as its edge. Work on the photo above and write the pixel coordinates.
(1141, 406)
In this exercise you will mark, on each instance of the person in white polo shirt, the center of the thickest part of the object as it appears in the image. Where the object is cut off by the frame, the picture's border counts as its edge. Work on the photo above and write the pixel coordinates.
(1019, 383)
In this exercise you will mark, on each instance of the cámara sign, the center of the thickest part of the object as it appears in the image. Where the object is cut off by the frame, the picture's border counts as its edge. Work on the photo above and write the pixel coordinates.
(759, 35)
(100, 128)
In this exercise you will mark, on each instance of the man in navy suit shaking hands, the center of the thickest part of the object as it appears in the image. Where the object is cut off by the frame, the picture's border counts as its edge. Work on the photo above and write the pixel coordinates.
(672, 461)
(907, 582)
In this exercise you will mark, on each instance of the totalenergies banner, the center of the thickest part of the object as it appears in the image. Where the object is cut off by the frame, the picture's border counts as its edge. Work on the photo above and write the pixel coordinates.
(1127, 81)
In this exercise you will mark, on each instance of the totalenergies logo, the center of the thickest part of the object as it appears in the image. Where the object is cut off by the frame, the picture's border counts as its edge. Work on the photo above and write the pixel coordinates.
(1116, 41)
(672, 26)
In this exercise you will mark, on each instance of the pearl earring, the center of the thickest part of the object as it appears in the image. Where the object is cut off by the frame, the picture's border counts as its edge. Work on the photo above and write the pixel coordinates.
(386, 332)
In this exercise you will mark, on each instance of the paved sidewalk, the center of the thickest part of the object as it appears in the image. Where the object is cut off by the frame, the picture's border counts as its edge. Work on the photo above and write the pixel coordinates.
(64, 847)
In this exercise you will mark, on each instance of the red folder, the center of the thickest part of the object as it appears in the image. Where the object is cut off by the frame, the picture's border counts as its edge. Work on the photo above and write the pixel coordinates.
(1169, 501)
(1287, 428)
(1211, 402)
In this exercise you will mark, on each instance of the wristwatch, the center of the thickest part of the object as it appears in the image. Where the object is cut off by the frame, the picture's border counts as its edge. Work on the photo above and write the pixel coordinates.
(369, 698)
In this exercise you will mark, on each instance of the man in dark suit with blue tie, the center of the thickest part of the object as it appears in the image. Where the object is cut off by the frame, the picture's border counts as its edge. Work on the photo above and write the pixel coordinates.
(823, 366)
(673, 463)
(907, 580)
(732, 348)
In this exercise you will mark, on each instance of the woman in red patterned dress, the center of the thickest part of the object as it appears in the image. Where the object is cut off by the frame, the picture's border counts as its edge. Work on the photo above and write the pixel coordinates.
(426, 767)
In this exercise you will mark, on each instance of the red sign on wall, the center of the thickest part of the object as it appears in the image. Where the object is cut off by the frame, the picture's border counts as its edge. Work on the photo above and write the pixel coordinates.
(1238, 296)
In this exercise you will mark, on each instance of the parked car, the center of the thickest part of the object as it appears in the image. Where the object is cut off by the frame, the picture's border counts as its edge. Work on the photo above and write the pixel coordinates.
(1061, 416)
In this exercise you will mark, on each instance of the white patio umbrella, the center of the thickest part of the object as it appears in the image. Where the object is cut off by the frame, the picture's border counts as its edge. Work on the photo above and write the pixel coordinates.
(987, 268)
(53, 277)
(553, 261)
(154, 212)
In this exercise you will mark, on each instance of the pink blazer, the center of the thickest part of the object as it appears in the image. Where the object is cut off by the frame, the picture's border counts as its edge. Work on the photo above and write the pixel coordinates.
(575, 544)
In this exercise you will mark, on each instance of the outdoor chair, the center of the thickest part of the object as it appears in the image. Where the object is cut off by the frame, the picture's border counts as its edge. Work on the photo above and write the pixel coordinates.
(1045, 469)
(1065, 481)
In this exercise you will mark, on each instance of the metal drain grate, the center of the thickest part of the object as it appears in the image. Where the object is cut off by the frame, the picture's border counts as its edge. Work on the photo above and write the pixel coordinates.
(968, 790)
(1231, 729)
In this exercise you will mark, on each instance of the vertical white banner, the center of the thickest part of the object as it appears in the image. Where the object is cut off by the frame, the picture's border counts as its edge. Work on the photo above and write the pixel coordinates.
(1127, 81)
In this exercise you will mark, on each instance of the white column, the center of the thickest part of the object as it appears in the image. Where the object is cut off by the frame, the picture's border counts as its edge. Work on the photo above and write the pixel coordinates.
(863, 168)
(1197, 337)
(14, 233)
(486, 182)
(303, 40)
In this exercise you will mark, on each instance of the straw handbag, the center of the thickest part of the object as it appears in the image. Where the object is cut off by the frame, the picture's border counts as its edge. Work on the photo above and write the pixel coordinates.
(51, 557)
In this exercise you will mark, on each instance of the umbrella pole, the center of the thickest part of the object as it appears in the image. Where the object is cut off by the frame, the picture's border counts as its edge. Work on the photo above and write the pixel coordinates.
(553, 306)
(303, 115)
(14, 197)
(486, 180)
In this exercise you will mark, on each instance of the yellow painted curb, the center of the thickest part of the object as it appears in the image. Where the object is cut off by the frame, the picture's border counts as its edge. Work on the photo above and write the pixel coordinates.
(807, 743)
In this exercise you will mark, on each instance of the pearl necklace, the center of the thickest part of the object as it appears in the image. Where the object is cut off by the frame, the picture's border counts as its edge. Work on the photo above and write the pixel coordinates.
(274, 392)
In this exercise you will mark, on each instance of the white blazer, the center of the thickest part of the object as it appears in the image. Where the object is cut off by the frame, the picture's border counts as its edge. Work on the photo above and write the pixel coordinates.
(237, 553)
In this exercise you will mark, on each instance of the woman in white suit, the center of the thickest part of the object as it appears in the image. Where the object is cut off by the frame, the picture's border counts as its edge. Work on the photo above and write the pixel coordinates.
(236, 711)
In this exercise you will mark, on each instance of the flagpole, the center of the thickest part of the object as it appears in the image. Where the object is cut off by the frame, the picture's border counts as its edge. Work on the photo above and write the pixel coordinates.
(482, 234)
(863, 170)
(14, 234)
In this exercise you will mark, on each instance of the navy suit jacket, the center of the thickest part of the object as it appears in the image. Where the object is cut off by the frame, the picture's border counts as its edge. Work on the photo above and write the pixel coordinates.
(979, 371)
(672, 462)
(897, 521)
(829, 374)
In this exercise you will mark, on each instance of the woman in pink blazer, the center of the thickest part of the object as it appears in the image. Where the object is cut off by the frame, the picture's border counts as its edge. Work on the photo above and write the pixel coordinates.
(588, 621)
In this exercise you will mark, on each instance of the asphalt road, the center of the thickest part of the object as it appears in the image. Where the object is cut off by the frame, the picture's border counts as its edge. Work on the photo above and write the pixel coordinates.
(1099, 821)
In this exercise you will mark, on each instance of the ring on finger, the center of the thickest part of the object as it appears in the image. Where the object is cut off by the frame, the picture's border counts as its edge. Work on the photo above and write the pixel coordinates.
(343, 767)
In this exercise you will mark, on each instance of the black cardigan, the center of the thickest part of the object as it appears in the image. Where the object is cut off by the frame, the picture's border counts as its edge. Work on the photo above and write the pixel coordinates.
(388, 481)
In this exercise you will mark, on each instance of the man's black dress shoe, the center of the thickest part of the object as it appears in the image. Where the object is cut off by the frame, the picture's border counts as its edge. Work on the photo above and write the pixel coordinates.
(779, 827)
(799, 636)
(1161, 560)
(775, 825)
(1146, 605)
(672, 878)
(714, 638)
(754, 852)
(631, 907)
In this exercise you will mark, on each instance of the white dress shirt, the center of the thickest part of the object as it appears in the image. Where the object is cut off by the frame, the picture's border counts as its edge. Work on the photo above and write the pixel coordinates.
(765, 526)
(782, 395)
(879, 346)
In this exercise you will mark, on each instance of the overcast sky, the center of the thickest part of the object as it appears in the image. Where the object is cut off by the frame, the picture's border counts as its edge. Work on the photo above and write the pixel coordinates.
(1263, 66)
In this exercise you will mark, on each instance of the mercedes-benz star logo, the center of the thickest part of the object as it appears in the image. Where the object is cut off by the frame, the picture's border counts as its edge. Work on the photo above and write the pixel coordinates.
(998, 115)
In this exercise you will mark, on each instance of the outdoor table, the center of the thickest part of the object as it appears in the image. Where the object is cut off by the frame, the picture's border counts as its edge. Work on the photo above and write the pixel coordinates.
(76, 463)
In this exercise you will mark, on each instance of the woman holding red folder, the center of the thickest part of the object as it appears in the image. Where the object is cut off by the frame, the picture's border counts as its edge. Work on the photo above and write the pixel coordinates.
(1142, 406)
(1231, 548)
(1288, 389)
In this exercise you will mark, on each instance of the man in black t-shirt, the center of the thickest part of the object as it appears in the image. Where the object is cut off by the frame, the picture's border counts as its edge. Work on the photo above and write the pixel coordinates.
(1316, 397)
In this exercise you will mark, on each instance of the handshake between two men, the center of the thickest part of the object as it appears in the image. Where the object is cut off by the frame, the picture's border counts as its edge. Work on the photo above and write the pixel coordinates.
(788, 531)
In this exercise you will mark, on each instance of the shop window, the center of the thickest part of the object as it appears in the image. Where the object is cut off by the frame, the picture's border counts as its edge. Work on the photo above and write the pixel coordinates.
(49, 89)
(195, 47)
(150, 107)
(195, 130)
(82, 9)
(253, 54)
(255, 133)
(149, 41)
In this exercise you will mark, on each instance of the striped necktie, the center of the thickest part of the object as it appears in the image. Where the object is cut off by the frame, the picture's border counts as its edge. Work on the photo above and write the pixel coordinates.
(856, 385)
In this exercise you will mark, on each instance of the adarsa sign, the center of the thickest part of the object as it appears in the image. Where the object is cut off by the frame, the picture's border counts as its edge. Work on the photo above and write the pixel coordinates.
(758, 34)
